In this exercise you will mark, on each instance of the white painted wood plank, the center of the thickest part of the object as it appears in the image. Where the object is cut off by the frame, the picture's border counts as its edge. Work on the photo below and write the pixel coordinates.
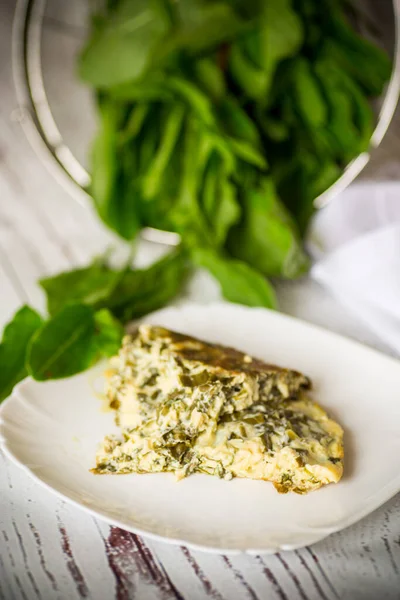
(10, 298)
(84, 552)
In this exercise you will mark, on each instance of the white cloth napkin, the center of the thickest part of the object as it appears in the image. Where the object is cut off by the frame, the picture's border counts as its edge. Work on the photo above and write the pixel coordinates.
(355, 243)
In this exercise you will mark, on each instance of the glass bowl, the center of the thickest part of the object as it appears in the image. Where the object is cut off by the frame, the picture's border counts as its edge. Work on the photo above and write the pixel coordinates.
(57, 112)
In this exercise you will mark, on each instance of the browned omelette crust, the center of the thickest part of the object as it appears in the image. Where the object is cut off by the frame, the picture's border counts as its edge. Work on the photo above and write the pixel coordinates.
(225, 361)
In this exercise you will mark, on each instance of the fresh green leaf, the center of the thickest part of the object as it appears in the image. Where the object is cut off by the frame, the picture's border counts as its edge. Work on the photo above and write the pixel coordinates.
(203, 26)
(239, 281)
(275, 129)
(219, 199)
(248, 153)
(90, 285)
(108, 333)
(16, 337)
(280, 35)
(307, 95)
(122, 48)
(123, 216)
(168, 88)
(148, 141)
(64, 345)
(152, 88)
(277, 35)
(152, 180)
(352, 120)
(114, 192)
(186, 216)
(227, 210)
(168, 11)
(194, 97)
(137, 117)
(104, 166)
(267, 238)
(344, 140)
(237, 123)
(168, 287)
(366, 63)
(326, 175)
(210, 78)
(252, 80)
(142, 291)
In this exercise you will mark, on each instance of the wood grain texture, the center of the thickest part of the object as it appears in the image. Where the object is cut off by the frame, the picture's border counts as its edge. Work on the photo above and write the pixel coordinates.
(51, 550)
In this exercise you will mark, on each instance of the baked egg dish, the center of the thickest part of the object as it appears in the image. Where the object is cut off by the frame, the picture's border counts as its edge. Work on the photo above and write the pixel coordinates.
(186, 406)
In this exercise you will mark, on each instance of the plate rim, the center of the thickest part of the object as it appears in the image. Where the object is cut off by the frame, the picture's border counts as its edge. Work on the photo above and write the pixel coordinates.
(370, 504)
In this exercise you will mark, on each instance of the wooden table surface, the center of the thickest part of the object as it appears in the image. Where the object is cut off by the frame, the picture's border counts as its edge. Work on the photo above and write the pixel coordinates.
(50, 549)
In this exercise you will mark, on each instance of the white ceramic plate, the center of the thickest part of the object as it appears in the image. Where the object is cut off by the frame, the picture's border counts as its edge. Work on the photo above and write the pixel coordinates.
(52, 430)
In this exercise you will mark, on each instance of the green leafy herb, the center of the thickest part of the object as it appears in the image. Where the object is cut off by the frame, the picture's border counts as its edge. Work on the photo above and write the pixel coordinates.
(202, 26)
(239, 282)
(267, 238)
(114, 195)
(152, 180)
(108, 333)
(201, 92)
(145, 290)
(16, 337)
(132, 29)
(72, 341)
(90, 285)
(127, 293)
(64, 345)
(280, 36)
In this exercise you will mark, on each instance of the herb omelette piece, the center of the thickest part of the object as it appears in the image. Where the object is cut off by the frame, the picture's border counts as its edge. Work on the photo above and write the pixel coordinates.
(187, 406)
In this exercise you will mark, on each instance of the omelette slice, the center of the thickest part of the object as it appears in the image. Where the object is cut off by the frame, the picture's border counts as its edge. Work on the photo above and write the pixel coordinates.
(187, 406)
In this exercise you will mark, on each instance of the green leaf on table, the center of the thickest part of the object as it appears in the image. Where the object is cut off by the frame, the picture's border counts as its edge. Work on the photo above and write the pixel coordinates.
(127, 293)
(142, 291)
(267, 238)
(122, 47)
(89, 285)
(239, 281)
(108, 333)
(13, 346)
(64, 345)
